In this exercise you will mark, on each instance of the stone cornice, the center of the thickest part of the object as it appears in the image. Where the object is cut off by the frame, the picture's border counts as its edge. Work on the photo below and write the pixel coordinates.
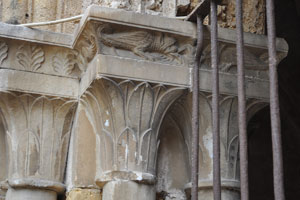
(133, 19)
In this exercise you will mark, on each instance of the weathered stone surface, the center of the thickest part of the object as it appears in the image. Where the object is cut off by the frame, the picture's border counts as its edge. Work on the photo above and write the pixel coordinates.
(84, 194)
(123, 70)
(82, 155)
(178, 122)
(128, 190)
(30, 194)
(254, 19)
(36, 11)
(37, 137)
(173, 164)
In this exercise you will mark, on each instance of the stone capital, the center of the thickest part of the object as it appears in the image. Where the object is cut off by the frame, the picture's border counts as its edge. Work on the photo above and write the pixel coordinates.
(180, 115)
(37, 130)
(125, 116)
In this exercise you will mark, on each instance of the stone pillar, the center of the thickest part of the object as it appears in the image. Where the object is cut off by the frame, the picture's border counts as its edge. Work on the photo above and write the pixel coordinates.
(37, 136)
(126, 115)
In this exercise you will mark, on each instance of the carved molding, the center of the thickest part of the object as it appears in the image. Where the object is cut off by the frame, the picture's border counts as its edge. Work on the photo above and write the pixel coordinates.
(30, 57)
(126, 116)
(64, 62)
(37, 134)
(3, 51)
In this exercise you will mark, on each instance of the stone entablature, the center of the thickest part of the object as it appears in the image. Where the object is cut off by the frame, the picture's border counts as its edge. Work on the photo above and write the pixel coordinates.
(122, 71)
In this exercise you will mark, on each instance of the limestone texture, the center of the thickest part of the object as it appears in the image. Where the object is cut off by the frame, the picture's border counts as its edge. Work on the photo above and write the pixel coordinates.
(84, 194)
(105, 112)
(26, 11)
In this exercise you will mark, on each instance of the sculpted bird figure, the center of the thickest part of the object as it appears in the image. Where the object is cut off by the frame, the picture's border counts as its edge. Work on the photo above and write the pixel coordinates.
(139, 42)
(227, 58)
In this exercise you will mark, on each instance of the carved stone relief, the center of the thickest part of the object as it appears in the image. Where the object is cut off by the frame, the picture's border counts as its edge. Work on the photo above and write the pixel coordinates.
(87, 44)
(126, 116)
(30, 57)
(255, 60)
(37, 133)
(181, 112)
(64, 62)
(47, 59)
(147, 45)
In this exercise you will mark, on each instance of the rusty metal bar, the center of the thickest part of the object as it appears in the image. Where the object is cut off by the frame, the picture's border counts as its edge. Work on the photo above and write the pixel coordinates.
(215, 101)
(274, 105)
(242, 102)
(195, 117)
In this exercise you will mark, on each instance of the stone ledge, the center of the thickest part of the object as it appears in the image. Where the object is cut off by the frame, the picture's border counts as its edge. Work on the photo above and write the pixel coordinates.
(169, 25)
(225, 184)
(140, 70)
(22, 81)
(112, 66)
(135, 176)
(35, 35)
(37, 183)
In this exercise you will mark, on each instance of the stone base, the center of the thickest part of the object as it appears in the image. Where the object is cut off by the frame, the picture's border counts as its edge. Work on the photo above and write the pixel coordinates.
(84, 194)
(30, 194)
(227, 194)
(128, 190)
(230, 190)
(2, 194)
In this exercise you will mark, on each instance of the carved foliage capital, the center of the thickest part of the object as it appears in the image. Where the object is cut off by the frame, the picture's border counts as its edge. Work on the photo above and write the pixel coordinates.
(126, 116)
(37, 132)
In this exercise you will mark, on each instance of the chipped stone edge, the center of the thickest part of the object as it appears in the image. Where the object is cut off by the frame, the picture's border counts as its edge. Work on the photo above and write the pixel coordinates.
(140, 177)
(37, 183)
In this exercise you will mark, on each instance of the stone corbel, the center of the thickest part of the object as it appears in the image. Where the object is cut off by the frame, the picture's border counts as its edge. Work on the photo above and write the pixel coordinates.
(37, 130)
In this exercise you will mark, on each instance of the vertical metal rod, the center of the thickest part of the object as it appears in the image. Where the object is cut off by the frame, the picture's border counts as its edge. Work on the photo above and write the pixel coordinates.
(195, 114)
(274, 105)
(215, 102)
(242, 102)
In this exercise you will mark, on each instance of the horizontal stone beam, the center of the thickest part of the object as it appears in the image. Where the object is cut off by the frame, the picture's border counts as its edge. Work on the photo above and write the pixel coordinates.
(125, 68)
(27, 82)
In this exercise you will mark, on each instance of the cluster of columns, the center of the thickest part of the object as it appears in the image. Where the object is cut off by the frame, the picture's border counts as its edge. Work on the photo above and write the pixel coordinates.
(125, 117)
(104, 142)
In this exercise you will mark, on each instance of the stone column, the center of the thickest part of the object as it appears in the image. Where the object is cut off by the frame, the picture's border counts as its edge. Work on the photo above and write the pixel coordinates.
(230, 167)
(126, 115)
(37, 136)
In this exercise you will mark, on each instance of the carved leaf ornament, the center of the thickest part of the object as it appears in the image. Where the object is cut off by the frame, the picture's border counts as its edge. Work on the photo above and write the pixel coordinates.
(30, 57)
(125, 118)
(64, 63)
(38, 138)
